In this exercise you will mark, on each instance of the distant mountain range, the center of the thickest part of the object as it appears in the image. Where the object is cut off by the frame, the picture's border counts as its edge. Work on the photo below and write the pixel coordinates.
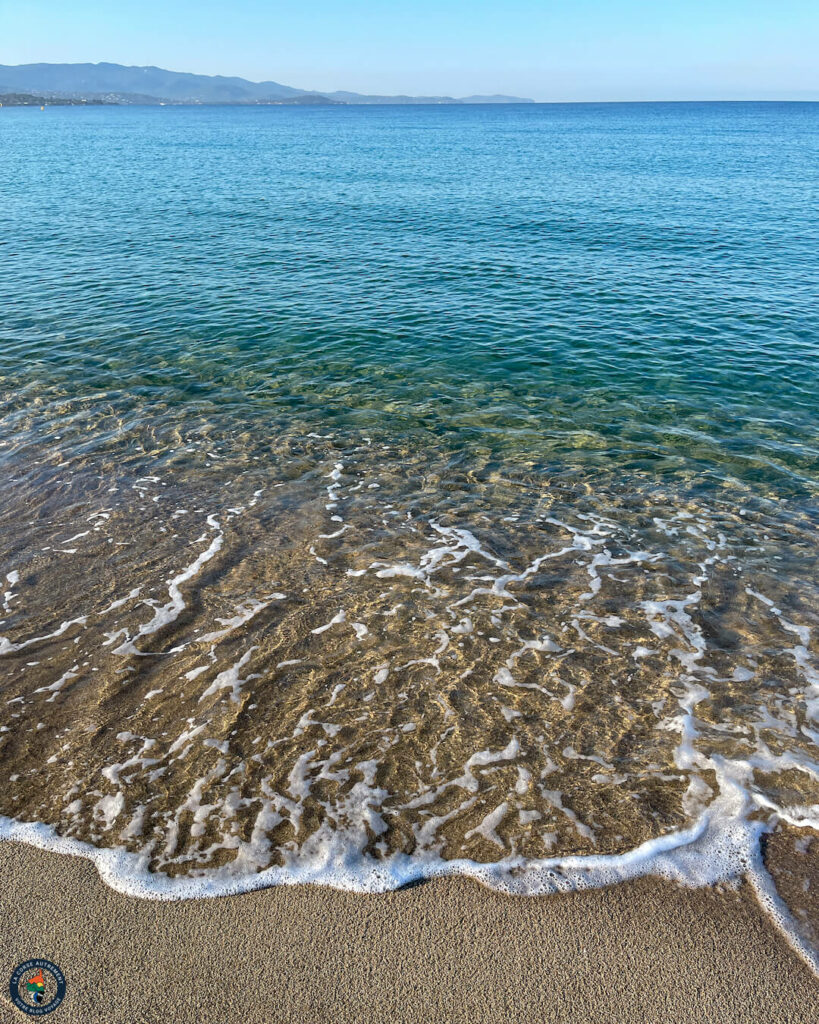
(116, 83)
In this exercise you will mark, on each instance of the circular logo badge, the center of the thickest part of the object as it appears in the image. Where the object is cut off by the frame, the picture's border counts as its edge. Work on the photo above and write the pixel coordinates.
(37, 987)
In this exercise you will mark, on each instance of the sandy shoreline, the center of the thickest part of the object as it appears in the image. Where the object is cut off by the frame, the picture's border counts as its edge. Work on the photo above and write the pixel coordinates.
(445, 951)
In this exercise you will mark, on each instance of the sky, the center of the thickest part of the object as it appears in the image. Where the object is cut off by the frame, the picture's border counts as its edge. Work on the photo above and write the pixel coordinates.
(548, 50)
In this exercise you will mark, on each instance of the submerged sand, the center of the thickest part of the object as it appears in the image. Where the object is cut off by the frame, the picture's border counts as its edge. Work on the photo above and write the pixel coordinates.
(445, 951)
(232, 665)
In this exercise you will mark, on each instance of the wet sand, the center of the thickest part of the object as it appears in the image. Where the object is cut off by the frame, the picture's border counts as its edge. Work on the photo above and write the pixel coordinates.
(445, 951)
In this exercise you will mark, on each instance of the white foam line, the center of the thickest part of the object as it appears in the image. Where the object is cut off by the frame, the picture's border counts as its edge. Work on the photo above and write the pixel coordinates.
(122, 601)
(170, 611)
(686, 857)
(462, 543)
(244, 614)
(770, 900)
(76, 536)
(339, 618)
(60, 683)
(723, 845)
(800, 654)
(338, 533)
(230, 679)
(13, 578)
(7, 647)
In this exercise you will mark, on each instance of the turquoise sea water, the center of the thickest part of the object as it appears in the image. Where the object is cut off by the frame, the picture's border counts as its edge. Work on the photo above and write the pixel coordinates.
(638, 281)
(516, 409)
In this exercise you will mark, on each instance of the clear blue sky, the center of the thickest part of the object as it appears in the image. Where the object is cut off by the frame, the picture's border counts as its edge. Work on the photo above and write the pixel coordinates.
(545, 49)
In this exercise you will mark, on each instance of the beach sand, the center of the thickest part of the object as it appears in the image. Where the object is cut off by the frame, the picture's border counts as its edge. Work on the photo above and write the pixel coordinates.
(444, 951)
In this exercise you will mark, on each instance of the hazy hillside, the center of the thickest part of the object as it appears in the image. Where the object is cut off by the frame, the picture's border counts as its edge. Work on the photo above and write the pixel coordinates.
(82, 79)
(144, 84)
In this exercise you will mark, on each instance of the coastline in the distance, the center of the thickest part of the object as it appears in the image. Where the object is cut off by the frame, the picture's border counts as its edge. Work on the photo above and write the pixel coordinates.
(116, 83)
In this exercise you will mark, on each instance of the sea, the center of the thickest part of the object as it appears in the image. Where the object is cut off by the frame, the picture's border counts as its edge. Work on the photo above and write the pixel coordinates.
(400, 491)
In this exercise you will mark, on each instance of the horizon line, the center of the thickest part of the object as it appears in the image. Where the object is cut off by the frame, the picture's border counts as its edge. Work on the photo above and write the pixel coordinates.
(807, 96)
(454, 102)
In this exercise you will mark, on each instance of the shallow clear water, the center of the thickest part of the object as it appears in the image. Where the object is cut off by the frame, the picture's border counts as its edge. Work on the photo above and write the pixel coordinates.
(434, 481)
